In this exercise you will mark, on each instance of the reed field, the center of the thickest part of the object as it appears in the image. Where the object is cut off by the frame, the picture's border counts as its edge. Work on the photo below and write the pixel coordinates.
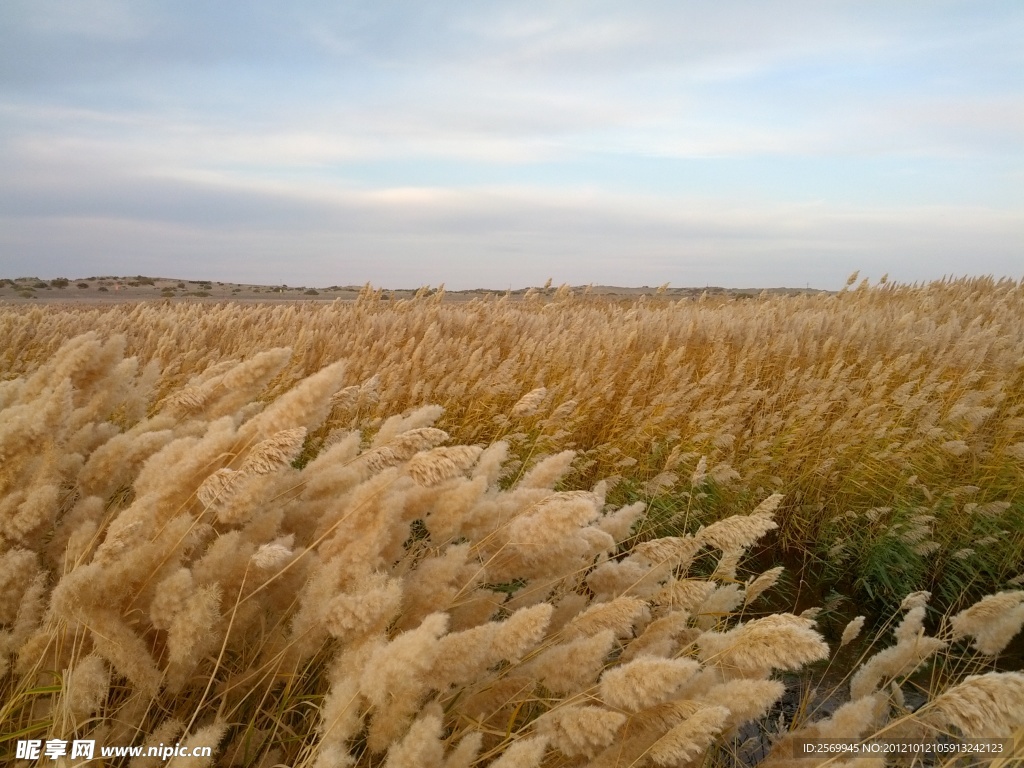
(562, 530)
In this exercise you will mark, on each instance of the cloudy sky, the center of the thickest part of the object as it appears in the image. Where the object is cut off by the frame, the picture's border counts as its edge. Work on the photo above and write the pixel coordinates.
(495, 144)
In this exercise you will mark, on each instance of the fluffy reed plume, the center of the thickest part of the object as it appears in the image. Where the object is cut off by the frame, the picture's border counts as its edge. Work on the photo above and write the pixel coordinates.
(728, 564)
(521, 631)
(395, 680)
(852, 720)
(619, 524)
(440, 582)
(464, 656)
(185, 402)
(402, 448)
(395, 426)
(700, 472)
(581, 730)
(116, 461)
(191, 634)
(912, 602)
(543, 540)
(736, 533)
(165, 733)
(207, 736)
(277, 451)
(570, 667)
(421, 747)
(757, 587)
(686, 595)
(852, 630)
(373, 602)
(719, 606)
(619, 615)
(779, 641)
(219, 487)
(642, 732)
(272, 556)
(86, 687)
(631, 576)
(17, 569)
(686, 741)
(465, 752)
(645, 682)
(745, 700)
(767, 507)
(548, 471)
(529, 403)
(912, 649)
(677, 551)
(23, 635)
(982, 706)
(453, 514)
(341, 710)
(435, 466)
(661, 637)
(992, 622)
(171, 598)
(30, 514)
(306, 405)
(524, 753)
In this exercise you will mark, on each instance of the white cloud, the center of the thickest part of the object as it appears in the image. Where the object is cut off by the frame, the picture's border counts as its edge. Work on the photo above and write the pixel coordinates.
(495, 236)
(766, 142)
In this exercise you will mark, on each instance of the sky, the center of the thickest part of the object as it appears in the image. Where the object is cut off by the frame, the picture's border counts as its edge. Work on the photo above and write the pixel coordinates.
(498, 144)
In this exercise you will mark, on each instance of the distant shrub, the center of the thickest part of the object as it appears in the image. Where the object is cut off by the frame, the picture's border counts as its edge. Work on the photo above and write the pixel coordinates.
(83, 285)
(60, 282)
(312, 292)
(104, 289)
